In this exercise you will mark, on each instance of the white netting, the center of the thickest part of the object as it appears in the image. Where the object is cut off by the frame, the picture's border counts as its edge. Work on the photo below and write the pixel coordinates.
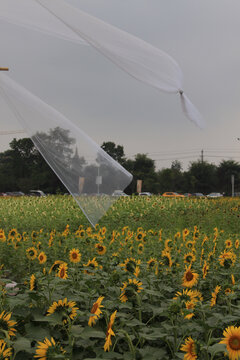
(88, 172)
(135, 56)
(29, 14)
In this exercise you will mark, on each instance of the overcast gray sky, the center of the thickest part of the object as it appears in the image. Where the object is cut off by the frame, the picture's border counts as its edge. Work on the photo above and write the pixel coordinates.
(109, 105)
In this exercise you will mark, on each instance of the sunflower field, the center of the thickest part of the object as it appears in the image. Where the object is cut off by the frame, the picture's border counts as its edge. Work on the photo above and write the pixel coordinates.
(155, 279)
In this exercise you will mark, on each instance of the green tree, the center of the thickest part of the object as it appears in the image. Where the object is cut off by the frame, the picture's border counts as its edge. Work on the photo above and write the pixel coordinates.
(115, 151)
(203, 177)
(225, 170)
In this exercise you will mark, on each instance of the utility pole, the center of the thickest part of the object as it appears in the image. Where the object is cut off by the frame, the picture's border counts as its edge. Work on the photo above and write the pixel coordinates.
(202, 156)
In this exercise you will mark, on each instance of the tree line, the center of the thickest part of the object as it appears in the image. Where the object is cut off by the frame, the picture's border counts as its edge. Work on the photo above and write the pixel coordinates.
(22, 168)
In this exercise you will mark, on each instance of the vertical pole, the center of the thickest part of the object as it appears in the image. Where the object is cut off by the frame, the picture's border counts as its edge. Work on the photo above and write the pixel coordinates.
(201, 156)
(232, 180)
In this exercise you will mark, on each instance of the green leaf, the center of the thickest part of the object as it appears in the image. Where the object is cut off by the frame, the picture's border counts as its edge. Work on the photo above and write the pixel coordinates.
(217, 348)
(89, 332)
(22, 344)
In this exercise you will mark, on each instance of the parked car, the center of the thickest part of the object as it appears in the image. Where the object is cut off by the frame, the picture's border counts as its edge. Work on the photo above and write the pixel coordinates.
(214, 195)
(15, 193)
(172, 194)
(198, 194)
(3, 194)
(119, 193)
(36, 193)
(187, 194)
(145, 193)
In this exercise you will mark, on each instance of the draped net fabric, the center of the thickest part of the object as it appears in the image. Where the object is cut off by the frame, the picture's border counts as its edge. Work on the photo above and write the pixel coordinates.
(135, 56)
(88, 172)
(29, 14)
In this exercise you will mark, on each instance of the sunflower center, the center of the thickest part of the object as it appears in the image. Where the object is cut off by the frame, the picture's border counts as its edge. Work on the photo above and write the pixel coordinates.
(234, 343)
(100, 248)
(94, 308)
(74, 255)
(62, 273)
(189, 275)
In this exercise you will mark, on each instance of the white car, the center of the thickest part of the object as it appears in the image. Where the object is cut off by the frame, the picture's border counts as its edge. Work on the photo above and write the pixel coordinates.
(145, 193)
(119, 193)
(214, 195)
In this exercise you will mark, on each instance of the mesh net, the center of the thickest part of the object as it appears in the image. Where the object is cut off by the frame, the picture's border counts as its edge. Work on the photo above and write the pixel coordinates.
(135, 56)
(88, 172)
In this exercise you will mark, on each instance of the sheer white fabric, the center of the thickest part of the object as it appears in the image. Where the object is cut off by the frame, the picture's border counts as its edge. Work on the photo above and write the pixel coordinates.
(29, 14)
(88, 172)
(135, 56)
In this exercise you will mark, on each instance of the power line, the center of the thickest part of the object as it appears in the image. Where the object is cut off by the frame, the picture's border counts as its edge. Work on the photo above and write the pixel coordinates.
(12, 132)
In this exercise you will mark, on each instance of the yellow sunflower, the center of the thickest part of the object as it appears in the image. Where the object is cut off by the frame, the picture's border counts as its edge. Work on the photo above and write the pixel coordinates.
(189, 258)
(5, 352)
(7, 324)
(237, 244)
(232, 341)
(186, 296)
(166, 258)
(48, 349)
(101, 249)
(130, 264)
(96, 311)
(190, 278)
(227, 259)
(205, 269)
(62, 271)
(91, 266)
(66, 308)
(185, 233)
(42, 258)
(129, 289)
(190, 349)
(2, 235)
(214, 295)
(31, 253)
(12, 233)
(33, 283)
(140, 248)
(55, 266)
(228, 244)
(75, 256)
(233, 279)
(190, 244)
(110, 333)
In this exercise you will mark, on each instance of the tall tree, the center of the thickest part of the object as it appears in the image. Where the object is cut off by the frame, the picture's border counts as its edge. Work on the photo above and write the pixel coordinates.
(225, 170)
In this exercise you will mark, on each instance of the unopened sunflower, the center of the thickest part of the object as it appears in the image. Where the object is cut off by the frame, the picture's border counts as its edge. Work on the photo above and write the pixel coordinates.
(232, 341)
(96, 311)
